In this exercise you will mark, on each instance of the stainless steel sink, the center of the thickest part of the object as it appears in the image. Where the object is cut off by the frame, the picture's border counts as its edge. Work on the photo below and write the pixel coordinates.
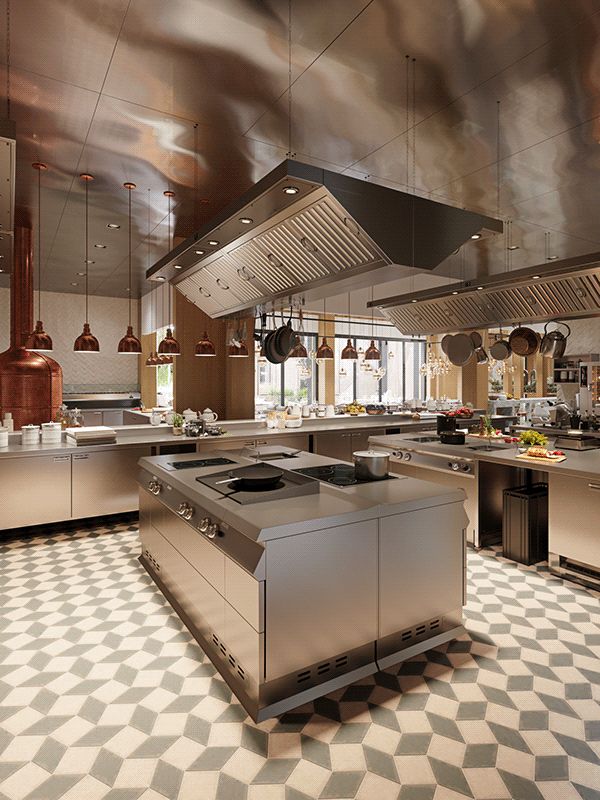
(486, 447)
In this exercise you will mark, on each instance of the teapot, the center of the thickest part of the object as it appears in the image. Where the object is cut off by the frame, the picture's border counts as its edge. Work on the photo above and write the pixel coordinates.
(209, 416)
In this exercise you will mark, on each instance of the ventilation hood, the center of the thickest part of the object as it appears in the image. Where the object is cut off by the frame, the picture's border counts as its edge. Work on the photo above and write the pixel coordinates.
(307, 232)
(567, 289)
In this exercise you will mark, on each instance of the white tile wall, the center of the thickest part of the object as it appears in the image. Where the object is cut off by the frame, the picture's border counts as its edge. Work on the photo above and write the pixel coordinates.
(63, 314)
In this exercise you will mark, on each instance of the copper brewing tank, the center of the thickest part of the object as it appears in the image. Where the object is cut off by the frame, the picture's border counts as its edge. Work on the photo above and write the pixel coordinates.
(30, 383)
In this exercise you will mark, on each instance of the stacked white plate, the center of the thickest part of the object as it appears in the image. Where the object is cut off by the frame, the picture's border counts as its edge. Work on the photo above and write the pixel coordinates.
(98, 434)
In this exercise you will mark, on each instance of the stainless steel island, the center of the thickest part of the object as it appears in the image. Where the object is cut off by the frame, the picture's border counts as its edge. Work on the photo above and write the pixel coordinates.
(300, 592)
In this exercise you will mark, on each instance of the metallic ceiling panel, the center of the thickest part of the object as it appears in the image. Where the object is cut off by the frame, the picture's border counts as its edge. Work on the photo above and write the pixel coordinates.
(7, 193)
(566, 290)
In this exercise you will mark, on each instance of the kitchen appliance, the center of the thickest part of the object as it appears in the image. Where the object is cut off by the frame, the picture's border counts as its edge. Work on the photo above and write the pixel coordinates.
(339, 474)
(523, 341)
(445, 423)
(312, 230)
(370, 465)
(554, 343)
(289, 607)
(289, 484)
(576, 441)
(568, 289)
(200, 463)
(452, 437)
(409, 453)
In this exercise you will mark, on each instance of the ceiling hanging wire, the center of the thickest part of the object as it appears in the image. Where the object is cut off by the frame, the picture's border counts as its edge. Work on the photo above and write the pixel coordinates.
(7, 59)
(39, 339)
(86, 342)
(169, 345)
(204, 347)
(373, 353)
(290, 153)
(129, 344)
(152, 360)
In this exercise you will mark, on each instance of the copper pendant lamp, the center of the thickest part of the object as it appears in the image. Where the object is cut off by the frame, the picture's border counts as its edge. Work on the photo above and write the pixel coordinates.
(130, 344)
(373, 353)
(204, 347)
(324, 351)
(39, 340)
(238, 352)
(349, 352)
(86, 342)
(169, 345)
(299, 350)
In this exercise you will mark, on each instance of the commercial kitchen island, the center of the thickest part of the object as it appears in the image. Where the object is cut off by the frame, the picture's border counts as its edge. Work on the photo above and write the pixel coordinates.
(297, 591)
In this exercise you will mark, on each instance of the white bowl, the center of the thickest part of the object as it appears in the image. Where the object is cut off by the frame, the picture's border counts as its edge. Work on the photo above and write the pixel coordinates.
(293, 422)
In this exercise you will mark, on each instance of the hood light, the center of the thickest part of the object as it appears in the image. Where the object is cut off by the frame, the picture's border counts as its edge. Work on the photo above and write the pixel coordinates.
(290, 190)
(246, 220)
(476, 236)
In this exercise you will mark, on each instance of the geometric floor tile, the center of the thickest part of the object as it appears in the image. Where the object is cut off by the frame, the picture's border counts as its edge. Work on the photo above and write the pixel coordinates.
(104, 695)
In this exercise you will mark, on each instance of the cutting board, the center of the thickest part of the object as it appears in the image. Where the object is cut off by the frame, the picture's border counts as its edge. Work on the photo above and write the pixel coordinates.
(549, 460)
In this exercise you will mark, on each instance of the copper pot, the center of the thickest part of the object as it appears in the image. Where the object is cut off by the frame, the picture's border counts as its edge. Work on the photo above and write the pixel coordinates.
(524, 341)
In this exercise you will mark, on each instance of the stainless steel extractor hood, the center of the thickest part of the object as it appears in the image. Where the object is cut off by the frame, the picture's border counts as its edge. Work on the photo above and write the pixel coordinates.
(565, 289)
(304, 229)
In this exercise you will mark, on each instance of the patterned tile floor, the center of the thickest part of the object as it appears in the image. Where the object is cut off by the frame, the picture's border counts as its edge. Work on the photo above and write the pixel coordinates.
(103, 694)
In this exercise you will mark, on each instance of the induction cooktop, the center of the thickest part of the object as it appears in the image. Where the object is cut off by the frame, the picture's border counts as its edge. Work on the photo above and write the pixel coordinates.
(339, 475)
(198, 463)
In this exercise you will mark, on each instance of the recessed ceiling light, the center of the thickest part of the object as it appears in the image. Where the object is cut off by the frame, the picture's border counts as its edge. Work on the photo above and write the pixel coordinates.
(291, 189)
(199, 252)
(177, 266)
(89, 261)
(552, 258)
(160, 278)
(454, 292)
(81, 274)
(74, 283)
(476, 236)
(213, 242)
(100, 246)
(1, 270)
(479, 288)
(113, 225)
(513, 247)
(246, 220)
(413, 301)
(535, 277)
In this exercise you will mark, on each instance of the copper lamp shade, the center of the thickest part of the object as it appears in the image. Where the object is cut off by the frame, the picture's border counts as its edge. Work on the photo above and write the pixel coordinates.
(372, 353)
(39, 340)
(299, 350)
(162, 359)
(130, 344)
(349, 351)
(204, 347)
(169, 345)
(86, 342)
(324, 351)
(152, 360)
(238, 352)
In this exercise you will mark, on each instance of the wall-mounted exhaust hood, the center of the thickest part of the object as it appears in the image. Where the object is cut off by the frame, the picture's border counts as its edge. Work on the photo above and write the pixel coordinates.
(303, 228)
(566, 289)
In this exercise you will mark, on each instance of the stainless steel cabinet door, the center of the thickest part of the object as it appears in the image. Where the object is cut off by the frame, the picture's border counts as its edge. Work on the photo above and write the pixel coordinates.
(112, 417)
(92, 418)
(50, 498)
(421, 566)
(105, 482)
(334, 444)
(321, 596)
(573, 518)
(360, 439)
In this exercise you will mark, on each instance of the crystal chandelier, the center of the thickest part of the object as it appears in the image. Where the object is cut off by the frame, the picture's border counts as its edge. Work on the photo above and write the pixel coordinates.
(500, 367)
(434, 365)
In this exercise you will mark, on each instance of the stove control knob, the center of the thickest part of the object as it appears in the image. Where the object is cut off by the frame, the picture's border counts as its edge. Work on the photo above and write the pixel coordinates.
(407, 456)
(204, 524)
(212, 531)
(466, 468)
(454, 466)
(183, 509)
(188, 513)
(154, 487)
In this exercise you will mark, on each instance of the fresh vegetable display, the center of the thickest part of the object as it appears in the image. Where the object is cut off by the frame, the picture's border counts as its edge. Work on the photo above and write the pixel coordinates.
(464, 412)
(533, 439)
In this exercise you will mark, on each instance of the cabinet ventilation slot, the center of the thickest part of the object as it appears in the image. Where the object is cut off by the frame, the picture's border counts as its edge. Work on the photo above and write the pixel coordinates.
(322, 669)
(151, 560)
(576, 567)
(233, 663)
(420, 630)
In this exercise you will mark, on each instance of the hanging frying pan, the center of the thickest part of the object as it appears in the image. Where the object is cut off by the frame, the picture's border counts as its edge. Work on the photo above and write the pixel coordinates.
(444, 343)
(523, 341)
(271, 354)
(284, 338)
(500, 350)
(460, 349)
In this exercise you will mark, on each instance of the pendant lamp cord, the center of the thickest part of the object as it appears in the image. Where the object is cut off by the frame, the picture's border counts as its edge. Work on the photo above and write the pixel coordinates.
(39, 248)
(407, 61)
(414, 126)
(87, 260)
(170, 248)
(7, 59)
(130, 287)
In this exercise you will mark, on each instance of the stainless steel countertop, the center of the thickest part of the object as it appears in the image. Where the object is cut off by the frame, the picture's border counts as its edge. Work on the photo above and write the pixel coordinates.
(584, 464)
(242, 430)
(332, 506)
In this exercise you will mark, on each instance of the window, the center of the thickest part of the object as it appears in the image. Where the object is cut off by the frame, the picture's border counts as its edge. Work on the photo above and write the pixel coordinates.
(294, 381)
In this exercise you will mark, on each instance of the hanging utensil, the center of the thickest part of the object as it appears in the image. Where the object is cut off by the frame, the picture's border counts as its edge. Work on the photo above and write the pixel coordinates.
(523, 341)
(445, 342)
(460, 349)
(500, 350)
(554, 343)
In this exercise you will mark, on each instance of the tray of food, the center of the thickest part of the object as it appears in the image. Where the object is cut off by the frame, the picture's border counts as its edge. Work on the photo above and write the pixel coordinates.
(542, 455)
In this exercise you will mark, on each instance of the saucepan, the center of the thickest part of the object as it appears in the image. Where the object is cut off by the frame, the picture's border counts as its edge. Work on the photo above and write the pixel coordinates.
(523, 341)
(370, 465)
(257, 476)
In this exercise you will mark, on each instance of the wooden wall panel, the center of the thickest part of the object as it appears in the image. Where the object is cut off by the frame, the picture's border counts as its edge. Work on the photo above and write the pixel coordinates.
(147, 374)
(226, 385)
